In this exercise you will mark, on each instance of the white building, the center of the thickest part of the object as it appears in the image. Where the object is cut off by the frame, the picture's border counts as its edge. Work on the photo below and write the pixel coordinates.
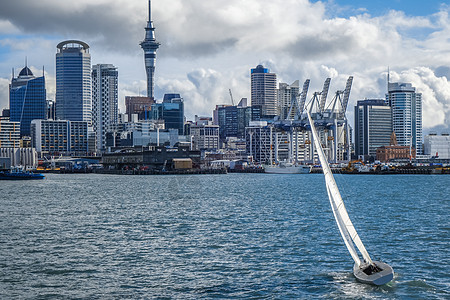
(406, 107)
(437, 145)
(105, 101)
(285, 96)
(25, 157)
(205, 137)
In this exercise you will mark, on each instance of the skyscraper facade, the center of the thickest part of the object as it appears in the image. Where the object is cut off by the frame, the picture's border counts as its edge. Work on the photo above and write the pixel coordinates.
(27, 100)
(406, 107)
(171, 110)
(373, 126)
(73, 81)
(150, 45)
(105, 101)
(264, 91)
(286, 95)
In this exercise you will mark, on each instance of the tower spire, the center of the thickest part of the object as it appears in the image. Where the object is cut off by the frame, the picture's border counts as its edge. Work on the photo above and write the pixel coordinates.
(150, 45)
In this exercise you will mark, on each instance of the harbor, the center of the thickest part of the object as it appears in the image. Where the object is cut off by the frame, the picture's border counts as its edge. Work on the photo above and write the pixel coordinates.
(219, 236)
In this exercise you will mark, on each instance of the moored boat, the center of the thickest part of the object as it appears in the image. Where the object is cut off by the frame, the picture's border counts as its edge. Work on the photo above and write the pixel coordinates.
(287, 168)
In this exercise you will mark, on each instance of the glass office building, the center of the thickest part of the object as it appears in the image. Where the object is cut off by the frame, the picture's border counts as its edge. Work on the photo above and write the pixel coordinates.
(373, 127)
(264, 91)
(406, 107)
(171, 110)
(73, 81)
(27, 100)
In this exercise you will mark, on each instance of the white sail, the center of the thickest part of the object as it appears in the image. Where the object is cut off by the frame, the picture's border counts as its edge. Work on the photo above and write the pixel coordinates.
(343, 221)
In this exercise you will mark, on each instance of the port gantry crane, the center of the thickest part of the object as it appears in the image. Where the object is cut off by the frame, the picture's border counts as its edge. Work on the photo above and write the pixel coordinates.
(330, 120)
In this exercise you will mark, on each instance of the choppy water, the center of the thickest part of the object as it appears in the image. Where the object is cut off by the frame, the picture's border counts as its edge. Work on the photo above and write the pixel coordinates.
(219, 236)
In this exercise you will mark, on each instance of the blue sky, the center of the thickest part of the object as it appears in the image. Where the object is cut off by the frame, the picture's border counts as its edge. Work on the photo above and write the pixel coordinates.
(208, 47)
(381, 7)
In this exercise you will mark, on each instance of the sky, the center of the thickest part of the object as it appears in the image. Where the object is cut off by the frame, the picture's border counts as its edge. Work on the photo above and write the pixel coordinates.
(209, 47)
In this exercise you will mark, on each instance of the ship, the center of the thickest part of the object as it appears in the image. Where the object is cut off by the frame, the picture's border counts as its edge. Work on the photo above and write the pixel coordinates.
(19, 174)
(287, 168)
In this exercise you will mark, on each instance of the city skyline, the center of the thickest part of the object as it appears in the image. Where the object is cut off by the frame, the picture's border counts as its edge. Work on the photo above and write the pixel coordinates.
(202, 57)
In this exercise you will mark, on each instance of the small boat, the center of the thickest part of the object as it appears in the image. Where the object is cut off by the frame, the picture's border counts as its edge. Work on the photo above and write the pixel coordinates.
(365, 270)
(287, 168)
(19, 174)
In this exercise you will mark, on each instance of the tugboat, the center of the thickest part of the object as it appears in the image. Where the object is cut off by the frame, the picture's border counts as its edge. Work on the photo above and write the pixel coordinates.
(19, 174)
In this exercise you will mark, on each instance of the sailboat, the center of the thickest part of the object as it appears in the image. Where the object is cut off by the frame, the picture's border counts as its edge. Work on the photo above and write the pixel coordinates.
(365, 270)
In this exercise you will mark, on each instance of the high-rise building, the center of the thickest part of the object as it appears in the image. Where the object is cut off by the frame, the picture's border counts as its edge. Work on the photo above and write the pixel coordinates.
(264, 90)
(171, 110)
(406, 107)
(150, 45)
(105, 101)
(138, 105)
(286, 95)
(27, 99)
(373, 127)
(73, 81)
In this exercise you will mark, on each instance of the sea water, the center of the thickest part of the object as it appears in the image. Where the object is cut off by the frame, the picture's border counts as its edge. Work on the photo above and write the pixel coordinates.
(255, 236)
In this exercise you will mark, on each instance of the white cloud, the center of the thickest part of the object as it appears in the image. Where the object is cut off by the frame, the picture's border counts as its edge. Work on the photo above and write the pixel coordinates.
(209, 47)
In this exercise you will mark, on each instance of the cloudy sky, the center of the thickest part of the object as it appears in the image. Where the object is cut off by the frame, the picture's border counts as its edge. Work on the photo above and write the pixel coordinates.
(208, 47)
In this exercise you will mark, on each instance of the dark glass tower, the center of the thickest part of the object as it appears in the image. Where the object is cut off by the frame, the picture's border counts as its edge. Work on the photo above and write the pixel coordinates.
(73, 82)
(27, 100)
(150, 45)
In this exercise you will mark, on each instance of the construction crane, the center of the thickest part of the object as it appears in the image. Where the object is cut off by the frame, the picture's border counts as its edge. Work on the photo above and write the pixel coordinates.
(231, 96)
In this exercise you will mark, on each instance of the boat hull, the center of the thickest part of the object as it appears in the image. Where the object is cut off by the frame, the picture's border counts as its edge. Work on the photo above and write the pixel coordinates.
(287, 169)
(379, 278)
(20, 176)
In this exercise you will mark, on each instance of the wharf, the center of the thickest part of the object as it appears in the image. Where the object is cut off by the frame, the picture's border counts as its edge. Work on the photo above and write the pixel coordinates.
(418, 171)
(160, 172)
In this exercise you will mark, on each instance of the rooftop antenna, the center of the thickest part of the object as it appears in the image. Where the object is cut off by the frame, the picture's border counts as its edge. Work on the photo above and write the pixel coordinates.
(43, 70)
(388, 79)
(26, 61)
(13, 73)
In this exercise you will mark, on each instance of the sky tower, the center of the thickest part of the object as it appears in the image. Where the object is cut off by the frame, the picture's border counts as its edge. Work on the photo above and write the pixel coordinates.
(150, 45)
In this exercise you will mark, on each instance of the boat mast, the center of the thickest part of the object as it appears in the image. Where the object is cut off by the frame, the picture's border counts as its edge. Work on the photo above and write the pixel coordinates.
(346, 228)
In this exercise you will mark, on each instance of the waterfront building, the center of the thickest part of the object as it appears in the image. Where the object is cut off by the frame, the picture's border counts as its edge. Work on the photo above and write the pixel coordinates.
(286, 95)
(171, 111)
(150, 45)
(395, 152)
(264, 91)
(9, 133)
(73, 82)
(24, 157)
(105, 101)
(205, 137)
(150, 158)
(137, 105)
(373, 127)
(437, 145)
(27, 99)
(406, 107)
(54, 137)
